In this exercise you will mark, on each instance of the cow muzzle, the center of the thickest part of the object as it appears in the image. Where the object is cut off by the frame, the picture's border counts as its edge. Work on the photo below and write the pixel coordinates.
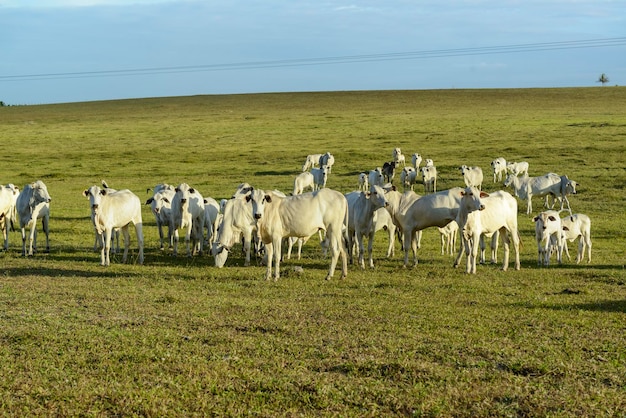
(257, 216)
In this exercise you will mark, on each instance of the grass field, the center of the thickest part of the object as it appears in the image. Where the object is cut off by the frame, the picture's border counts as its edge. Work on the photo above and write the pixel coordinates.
(179, 337)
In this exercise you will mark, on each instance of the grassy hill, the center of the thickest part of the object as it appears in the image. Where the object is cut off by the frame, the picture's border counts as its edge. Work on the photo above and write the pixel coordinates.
(179, 337)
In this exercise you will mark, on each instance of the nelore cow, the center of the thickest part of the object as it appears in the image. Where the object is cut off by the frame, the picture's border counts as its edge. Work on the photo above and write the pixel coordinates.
(33, 203)
(481, 213)
(112, 210)
(300, 216)
(548, 233)
(188, 213)
(577, 226)
(8, 199)
(161, 207)
(237, 222)
(472, 176)
(499, 169)
(527, 187)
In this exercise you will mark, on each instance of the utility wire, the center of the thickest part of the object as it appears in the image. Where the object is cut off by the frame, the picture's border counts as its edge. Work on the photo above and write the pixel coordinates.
(344, 59)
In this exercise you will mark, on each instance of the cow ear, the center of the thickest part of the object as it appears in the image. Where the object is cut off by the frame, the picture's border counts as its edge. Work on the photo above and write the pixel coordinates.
(552, 218)
(149, 201)
(165, 199)
(536, 218)
(177, 190)
(483, 194)
(248, 198)
(86, 193)
(103, 192)
(565, 228)
(268, 198)
(192, 190)
(463, 193)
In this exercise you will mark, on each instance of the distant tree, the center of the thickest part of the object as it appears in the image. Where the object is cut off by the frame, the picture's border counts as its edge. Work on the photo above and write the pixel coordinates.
(2, 103)
(603, 79)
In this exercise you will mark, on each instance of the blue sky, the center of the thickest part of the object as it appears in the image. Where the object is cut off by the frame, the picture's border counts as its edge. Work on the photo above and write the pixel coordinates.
(82, 50)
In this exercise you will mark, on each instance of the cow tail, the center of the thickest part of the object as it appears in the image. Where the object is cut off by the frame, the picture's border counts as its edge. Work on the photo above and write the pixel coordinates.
(345, 228)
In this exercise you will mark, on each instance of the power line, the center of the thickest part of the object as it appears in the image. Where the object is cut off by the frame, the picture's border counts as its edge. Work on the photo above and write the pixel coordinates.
(344, 59)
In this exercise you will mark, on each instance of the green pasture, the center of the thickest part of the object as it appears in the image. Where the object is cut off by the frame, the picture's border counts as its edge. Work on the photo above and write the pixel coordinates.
(179, 337)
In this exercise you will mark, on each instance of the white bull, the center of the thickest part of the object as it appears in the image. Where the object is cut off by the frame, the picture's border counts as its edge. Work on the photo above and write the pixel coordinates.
(115, 210)
(300, 216)
(33, 203)
(481, 213)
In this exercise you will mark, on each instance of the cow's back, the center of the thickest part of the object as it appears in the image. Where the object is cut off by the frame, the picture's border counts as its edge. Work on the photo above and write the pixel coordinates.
(436, 209)
(119, 208)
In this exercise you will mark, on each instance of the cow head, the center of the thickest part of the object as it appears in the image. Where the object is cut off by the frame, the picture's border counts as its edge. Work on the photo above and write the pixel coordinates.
(546, 224)
(471, 199)
(377, 197)
(258, 198)
(39, 194)
(94, 194)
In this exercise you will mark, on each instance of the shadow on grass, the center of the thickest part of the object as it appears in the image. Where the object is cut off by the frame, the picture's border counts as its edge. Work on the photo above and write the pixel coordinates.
(601, 306)
(63, 273)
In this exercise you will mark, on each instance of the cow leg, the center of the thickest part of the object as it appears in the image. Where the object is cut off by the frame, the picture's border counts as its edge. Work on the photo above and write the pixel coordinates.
(247, 239)
(391, 230)
(370, 244)
(566, 251)
(139, 232)
(126, 243)
(494, 248)
(160, 228)
(334, 241)
(506, 246)
(46, 228)
(106, 247)
(277, 253)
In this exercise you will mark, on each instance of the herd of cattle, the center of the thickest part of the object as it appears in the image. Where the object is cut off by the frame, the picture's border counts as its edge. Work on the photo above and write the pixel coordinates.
(261, 218)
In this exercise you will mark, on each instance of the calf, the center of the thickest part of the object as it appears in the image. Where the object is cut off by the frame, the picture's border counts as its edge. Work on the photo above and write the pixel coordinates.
(33, 203)
(327, 160)
(363, 184)
(416, 160)
(481, 213)
(376, 177)
(548, 232)
(577, 226)
(408, 178)
(398, 158)
(115, 210)
(517, 169)
(472, 176)
(448, 237)
(312, 160)
(320, 176)
(568, 187)
(361, 207)
(300, 216)
(499, 169)
(303, 181)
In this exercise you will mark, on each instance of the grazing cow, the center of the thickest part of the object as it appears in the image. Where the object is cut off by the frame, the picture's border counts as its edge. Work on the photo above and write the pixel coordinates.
(548, 232)
(499, 169)
(312, 160)
(32, 203)
(568, 187)
(161, 206)
(389, 171)
(518, 168)
(361, 207)
(472, 176)
(416, 160)
(320, 176)
(8, 199)
(408, 178)
(376, 177)
(114, 210)
(363, 184)
(303, 181)
(577, 226)
(237, 222)
(398, 157)
(448, 237)
(188, 213)
(527, 187)
(429, 178)
(481, 213)
(436, 209)
(300, 216)
(327, 160)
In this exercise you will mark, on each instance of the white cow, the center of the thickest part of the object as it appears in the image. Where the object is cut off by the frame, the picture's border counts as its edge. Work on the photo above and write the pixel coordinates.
(361, 207)
(188, 213)
(448, 235)
(320, 177)
(303, 181)
(517, 168)
(312, 160)
(408, 178)
(98, 237)
(211, 213)
(548, 232)
(115, 210)
(161, 206)
(327, 160)
(237, 222)
(32, 203)
(527, 187)
(398, 157)
(472, 176)
(577, 226)
(382, 220)
(363, 184)
(416, 160)
(376, 177)
(301, 216)
(568, 187)
(8, 199)
(436, 209)
(499, 169)
(481, 213)
(397, 205)
(429, 178)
